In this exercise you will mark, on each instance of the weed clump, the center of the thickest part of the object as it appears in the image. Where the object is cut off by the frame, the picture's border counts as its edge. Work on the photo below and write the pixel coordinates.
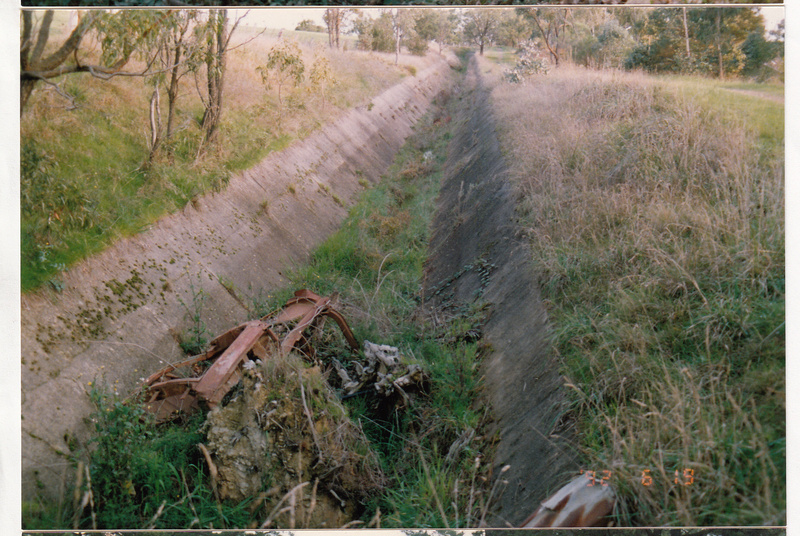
(285, 428)
(196, 337)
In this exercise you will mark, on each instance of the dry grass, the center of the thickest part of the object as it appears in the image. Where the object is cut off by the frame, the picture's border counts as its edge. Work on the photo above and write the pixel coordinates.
(656, 221)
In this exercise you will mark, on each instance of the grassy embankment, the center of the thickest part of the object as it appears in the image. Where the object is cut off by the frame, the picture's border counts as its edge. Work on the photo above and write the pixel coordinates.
(83, 183)
(655, 211)
(147, 476)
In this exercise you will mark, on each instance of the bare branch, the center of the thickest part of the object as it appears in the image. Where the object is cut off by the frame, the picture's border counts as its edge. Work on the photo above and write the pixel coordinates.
(70, 45)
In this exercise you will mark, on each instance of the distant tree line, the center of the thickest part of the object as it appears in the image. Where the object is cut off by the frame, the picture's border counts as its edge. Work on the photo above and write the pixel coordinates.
(711, 41)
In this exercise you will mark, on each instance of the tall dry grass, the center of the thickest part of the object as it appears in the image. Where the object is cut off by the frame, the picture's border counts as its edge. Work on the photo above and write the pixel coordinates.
(656, 222)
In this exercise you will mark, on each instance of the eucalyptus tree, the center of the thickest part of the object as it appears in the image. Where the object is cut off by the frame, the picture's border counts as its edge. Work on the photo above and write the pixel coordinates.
(335, 18)
(120, 33)
(551, 24)
(177, 52)
(403, 22)
(214, 36)
(710, 41)
(284, 67)
(446, 23)
(481, 25)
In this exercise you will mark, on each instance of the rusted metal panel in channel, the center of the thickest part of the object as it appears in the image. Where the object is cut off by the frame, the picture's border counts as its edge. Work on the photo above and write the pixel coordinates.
(216, 378)
(170, 394)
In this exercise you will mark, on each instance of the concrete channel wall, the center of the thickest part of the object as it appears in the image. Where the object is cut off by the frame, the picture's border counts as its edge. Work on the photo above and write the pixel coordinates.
(478, 256)
(122, 312)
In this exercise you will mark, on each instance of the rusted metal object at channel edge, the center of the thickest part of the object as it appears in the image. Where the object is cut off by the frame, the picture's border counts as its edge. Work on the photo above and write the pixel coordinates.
(168, 394)
(584, 502)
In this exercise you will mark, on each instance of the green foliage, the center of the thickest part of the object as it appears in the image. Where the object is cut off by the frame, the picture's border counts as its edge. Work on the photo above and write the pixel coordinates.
(307, 25)
(128, 31)
(374, 34)
(481, 26)
(604, 46)
(196, 338)
(528, 64)
(143, 475)
(716, 40)
(284, 66)
(321, 76)
(759, 52)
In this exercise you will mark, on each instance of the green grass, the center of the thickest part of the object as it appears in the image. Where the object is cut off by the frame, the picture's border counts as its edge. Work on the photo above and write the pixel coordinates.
(502, 55)
(140, 475)
(655, 210)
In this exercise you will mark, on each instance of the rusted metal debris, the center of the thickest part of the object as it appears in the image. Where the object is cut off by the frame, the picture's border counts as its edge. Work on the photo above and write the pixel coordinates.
(382, 370)
(584, 502)
(169, 394)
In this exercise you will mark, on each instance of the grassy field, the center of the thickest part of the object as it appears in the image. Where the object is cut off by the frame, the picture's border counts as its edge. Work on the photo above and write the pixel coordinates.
(655, 211)
(83, 179)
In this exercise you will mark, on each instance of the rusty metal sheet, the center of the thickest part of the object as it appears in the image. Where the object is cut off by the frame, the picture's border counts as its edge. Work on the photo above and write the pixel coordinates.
(584, 502)
(169, 394)
(216, 377)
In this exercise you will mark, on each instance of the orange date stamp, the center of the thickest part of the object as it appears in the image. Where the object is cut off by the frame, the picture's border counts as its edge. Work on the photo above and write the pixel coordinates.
(684, 477)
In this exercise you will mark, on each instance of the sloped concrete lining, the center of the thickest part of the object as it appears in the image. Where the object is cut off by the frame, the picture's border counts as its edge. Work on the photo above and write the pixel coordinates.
(121, 312)
(476, 255)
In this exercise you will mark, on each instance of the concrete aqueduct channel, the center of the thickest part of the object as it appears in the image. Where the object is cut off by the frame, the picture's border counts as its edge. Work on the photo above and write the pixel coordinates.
(121, 312)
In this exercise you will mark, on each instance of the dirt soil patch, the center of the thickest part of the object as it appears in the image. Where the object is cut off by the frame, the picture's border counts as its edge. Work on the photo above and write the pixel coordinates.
(478, 256)
(123, 313)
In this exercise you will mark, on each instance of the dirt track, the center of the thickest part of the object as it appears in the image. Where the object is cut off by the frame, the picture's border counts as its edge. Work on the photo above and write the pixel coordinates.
(476, 248)
(120, 314)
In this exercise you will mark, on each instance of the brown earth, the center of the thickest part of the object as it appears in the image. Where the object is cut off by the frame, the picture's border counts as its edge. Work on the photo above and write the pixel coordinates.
(478, 256)
(120, 314)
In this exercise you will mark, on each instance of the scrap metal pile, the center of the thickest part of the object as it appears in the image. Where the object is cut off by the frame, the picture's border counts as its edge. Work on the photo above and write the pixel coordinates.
(211, 375)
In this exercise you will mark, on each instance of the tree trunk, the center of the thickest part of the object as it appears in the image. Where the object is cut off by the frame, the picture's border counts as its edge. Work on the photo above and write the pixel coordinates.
(172, 89)
(719, 43)
(336, 28)
(25, 90)
(215, 69)
(31, 60)
(686, 35)
(546, 37)
(155, 125)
